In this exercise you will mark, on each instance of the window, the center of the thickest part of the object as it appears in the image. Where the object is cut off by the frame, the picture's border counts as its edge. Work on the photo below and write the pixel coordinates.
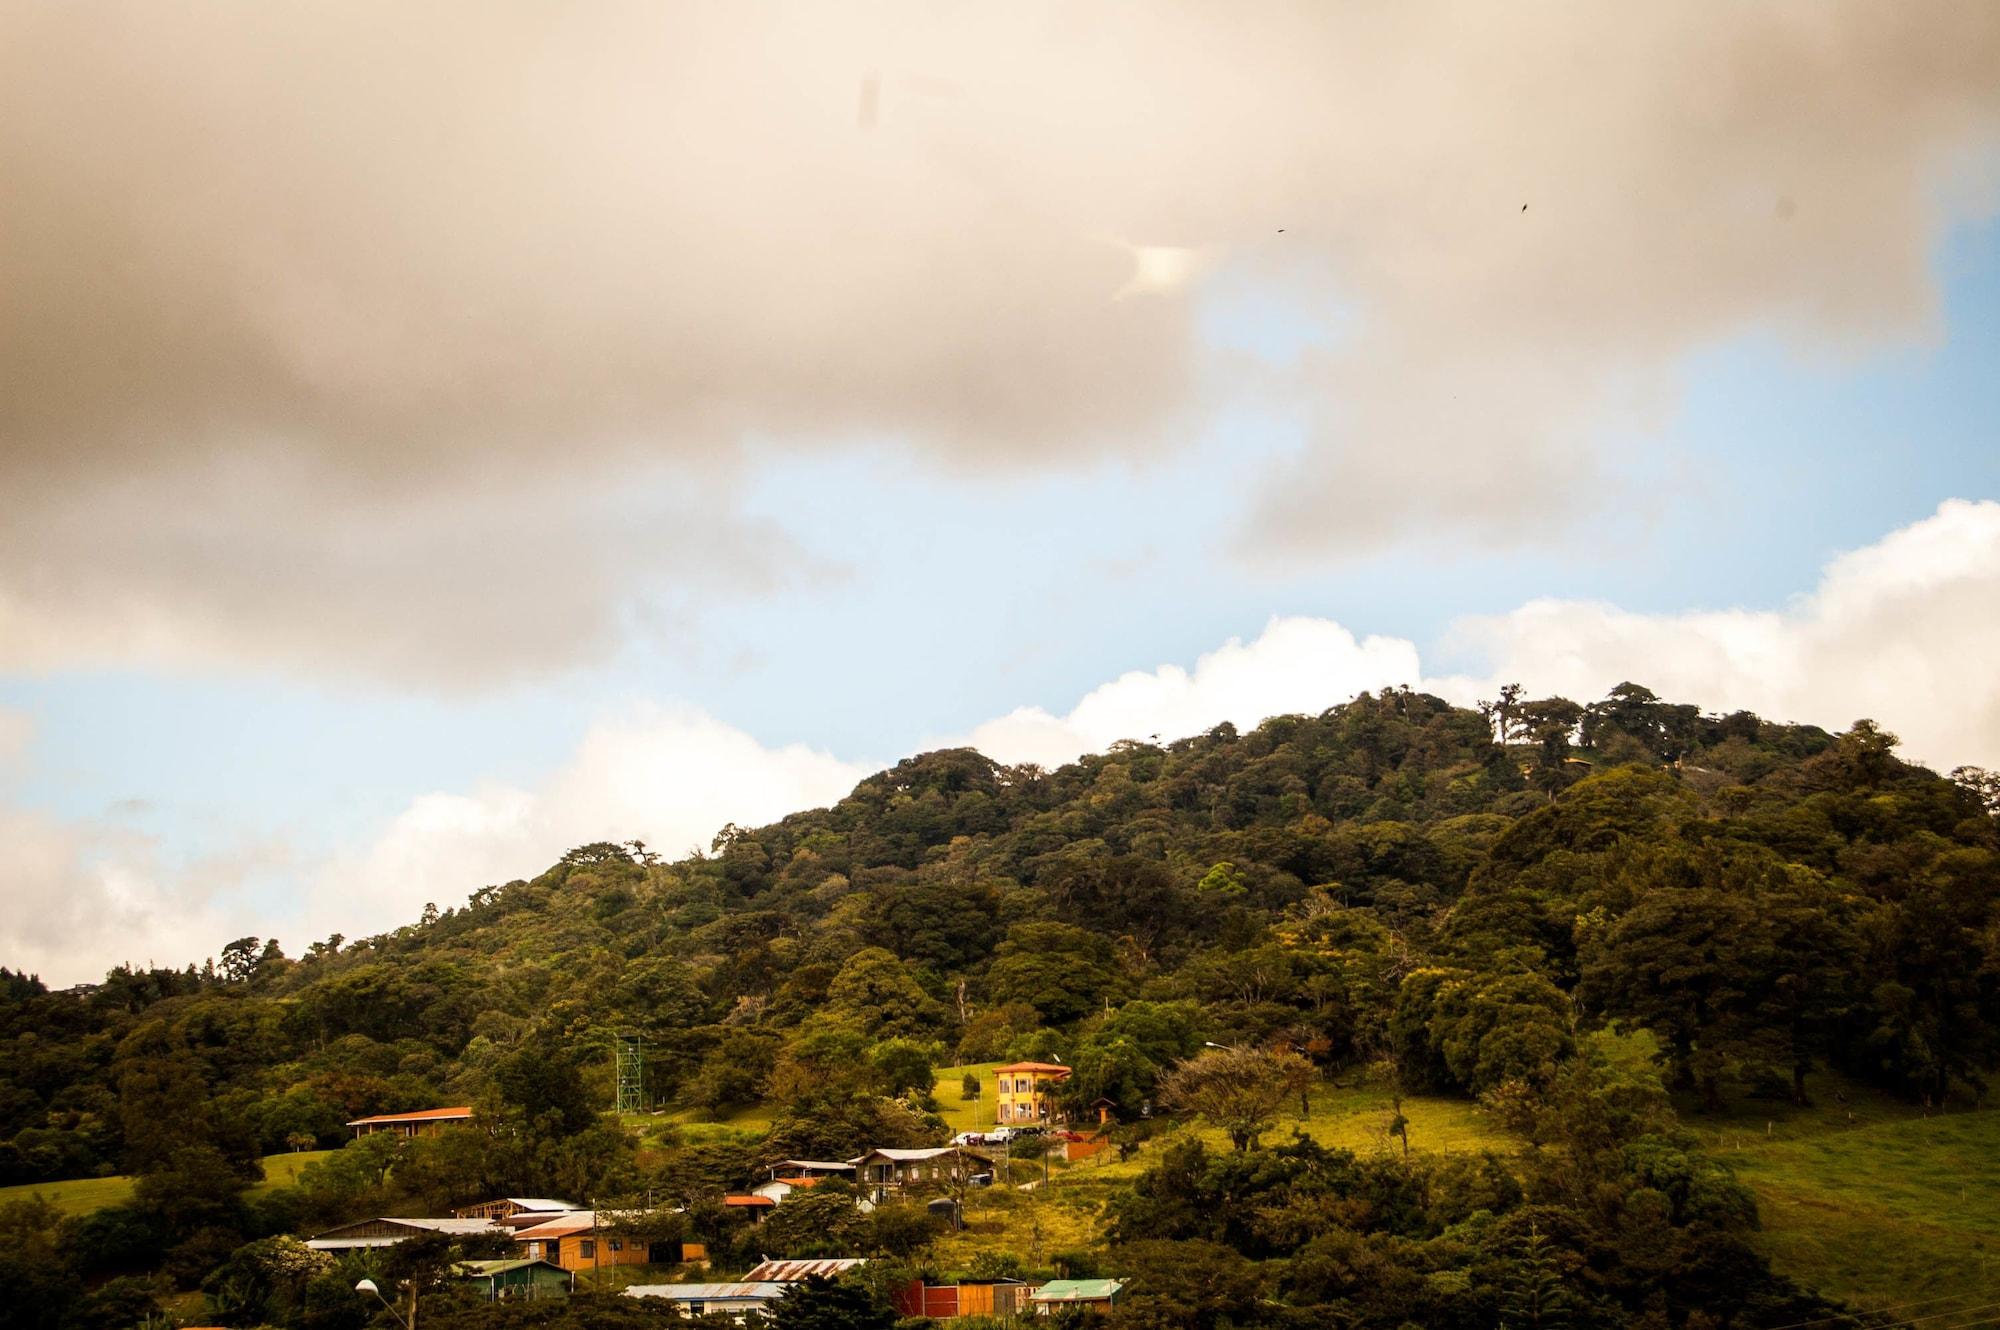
(586, 1248)
(617, 1244)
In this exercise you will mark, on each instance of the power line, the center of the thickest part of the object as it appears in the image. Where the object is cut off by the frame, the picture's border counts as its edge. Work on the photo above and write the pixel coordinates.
(1894, 1307)
(1949, 1311)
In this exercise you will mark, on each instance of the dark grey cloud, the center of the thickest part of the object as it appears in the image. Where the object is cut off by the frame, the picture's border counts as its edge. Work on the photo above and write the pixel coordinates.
(344, 337)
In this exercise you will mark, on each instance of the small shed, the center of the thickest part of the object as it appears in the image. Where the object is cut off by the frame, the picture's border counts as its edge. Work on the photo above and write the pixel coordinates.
(515, 1279)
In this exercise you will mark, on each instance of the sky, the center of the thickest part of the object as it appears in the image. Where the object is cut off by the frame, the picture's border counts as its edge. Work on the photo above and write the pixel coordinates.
(435, 436)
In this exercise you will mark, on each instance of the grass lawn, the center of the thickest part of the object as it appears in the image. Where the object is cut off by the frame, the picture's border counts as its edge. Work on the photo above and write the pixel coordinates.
(1880, 1211)
(960, 1113)
(79, 1196)
(74, 1196)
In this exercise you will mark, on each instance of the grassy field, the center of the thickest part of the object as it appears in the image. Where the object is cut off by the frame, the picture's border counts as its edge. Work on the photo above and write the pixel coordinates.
(1882, 1210)
(79, 1196)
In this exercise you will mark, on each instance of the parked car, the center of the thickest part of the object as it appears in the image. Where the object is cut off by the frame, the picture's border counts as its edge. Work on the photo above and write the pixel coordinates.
(1002, 1134)
(971, 1138)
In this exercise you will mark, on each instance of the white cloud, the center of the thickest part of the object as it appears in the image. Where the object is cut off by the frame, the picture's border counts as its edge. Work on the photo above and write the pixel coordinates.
(81, 898)
(1296, 664)
(1903, 631)
(668, 775)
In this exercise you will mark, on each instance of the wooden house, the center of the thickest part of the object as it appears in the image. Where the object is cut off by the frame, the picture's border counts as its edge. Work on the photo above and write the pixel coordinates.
(1027, 1093)
(881, 1172)
(421, 1122)
(520, 1279)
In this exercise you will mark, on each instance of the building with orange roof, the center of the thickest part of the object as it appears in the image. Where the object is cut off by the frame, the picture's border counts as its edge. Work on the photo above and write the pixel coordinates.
(422, 1122)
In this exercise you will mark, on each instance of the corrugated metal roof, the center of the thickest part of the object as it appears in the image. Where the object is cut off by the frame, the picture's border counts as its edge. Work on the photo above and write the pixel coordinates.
(332, 1239)
(824, 1165)
(421, 1115)
(745, 1291)
(792, 1271)
(1049, 1067)
(1078, 1290)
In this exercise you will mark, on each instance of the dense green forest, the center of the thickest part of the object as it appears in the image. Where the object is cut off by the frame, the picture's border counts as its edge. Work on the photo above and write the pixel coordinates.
(1454, 902)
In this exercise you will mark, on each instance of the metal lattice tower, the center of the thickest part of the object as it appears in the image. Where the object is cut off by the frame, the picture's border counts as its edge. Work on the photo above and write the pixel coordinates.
(631, 1073)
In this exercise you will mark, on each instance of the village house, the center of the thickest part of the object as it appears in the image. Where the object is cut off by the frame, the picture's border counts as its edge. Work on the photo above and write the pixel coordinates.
(507, 1281)
(387, 1232)
(752, 1207)
(881, 1172)
(422, 1122)
(573, 1241)
(1027, 1093)
(790, 1175)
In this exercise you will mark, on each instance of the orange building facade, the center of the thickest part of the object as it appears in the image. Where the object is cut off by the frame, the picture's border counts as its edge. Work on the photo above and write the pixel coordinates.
(1027, 1093)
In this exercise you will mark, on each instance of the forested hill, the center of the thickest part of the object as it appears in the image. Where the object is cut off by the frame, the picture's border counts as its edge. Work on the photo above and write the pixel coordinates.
(1382, 881)
(1453, 901)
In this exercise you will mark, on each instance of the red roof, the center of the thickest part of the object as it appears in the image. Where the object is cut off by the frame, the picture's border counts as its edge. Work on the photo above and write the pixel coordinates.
(1052, 1068)
(421, 1115)
(748, 1200)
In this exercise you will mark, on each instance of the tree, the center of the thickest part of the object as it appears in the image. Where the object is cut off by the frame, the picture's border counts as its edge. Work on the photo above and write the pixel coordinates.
(876, 990)
(545, 1084)
(819, 1223)
(1532, 1293)
(816, 1303)
(1238, 1090)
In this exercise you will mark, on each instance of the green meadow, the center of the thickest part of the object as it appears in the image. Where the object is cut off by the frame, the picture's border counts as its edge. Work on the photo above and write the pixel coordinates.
(79, 1196)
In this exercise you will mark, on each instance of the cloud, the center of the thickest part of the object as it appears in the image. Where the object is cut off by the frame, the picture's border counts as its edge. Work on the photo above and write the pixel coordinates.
(669, 775)
(1295, 665)
(83, 897)
(1901, 631)
(279, 293)
(17, 729)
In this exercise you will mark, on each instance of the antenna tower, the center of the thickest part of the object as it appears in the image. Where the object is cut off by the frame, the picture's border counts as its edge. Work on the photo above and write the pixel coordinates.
(631, 1073)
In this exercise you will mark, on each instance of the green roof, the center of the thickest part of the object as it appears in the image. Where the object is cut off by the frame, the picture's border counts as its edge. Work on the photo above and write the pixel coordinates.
(499, 1267)
(1078, 1290)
